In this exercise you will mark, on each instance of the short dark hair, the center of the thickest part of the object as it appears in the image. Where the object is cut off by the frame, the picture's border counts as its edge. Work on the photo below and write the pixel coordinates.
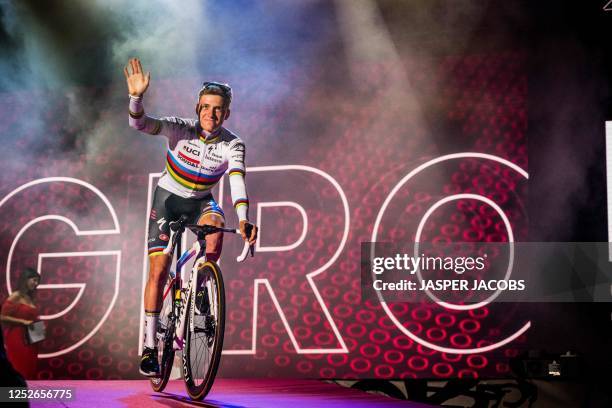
(217, 88)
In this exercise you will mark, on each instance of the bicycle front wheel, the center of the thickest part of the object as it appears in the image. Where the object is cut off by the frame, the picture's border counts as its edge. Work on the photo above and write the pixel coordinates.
(204, 332)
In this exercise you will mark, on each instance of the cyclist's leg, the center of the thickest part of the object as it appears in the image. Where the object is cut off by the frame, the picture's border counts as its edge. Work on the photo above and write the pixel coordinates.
(158, 240)
(158, 274)
(159, 263)
(212, 214)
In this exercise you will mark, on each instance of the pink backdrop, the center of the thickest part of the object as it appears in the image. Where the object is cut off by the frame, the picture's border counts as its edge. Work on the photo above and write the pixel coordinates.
(345, 163)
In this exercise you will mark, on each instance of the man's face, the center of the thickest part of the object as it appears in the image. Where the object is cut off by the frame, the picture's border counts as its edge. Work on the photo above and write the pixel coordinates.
(212, 112)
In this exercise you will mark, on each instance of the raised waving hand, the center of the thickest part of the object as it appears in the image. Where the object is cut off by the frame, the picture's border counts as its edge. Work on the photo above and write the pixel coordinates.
(137, 81)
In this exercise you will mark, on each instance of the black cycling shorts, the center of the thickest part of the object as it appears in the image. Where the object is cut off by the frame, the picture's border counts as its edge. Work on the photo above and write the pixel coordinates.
(169, 207)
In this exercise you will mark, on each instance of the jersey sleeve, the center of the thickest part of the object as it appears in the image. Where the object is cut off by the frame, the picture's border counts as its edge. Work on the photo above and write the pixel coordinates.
(237, 172)
(171, 127)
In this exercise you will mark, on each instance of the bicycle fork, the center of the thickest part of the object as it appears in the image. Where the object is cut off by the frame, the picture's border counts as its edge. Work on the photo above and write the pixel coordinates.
(188, 299)
(179, 334)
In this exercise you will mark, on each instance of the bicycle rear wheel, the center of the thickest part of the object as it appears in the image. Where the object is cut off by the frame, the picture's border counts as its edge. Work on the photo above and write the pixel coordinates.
(204, 343)
(165, 336)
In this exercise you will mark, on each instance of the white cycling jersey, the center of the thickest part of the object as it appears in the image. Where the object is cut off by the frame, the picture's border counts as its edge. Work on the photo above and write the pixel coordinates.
(195, 163)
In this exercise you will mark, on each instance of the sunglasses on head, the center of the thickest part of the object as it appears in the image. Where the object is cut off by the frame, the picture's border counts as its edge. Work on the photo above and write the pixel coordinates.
(225, 88)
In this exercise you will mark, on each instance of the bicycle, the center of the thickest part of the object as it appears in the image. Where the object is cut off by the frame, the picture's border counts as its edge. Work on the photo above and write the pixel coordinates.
(192, 319)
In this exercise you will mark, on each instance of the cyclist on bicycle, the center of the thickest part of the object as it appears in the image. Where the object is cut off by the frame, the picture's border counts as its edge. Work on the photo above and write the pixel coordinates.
(199, 152)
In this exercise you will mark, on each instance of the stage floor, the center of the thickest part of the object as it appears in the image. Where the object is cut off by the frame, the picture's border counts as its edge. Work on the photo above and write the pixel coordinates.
(229, 393)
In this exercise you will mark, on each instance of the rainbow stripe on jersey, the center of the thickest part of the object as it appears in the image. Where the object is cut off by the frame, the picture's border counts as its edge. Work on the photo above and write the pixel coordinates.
(187, 177)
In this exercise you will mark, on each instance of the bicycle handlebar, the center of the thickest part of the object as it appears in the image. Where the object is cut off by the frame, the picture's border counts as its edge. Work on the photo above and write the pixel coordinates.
(210, 229)
(202, 230)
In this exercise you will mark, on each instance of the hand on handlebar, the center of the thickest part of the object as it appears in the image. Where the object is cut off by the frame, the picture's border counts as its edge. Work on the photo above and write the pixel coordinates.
(248, 232)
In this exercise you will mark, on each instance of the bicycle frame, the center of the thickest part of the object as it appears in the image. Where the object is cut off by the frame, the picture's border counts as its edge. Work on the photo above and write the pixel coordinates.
(177, 286)
(198, 248)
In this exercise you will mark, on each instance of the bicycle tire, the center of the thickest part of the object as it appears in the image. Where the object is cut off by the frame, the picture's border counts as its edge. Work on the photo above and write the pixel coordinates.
(198, 374)
(165, 347)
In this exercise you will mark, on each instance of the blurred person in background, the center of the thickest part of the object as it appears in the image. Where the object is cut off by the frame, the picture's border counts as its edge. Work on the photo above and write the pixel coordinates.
(18, 312)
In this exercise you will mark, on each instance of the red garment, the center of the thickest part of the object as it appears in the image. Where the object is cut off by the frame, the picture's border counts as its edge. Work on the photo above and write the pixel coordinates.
(23, 356)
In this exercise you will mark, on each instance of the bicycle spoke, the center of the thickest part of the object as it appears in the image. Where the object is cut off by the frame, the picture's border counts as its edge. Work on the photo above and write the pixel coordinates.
(202, 341)
(205, 341)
